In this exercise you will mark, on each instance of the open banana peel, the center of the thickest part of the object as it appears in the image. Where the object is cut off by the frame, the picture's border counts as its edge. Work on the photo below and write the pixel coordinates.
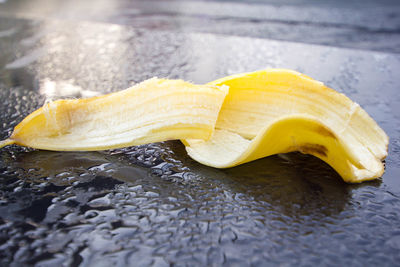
(265, 113)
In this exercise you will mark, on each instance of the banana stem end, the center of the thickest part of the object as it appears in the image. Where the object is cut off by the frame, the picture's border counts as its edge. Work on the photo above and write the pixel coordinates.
(6, 142)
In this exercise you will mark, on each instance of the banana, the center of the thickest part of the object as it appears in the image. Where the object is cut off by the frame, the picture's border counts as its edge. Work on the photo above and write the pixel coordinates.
(265, 113)
(152, 111)
(279, 111)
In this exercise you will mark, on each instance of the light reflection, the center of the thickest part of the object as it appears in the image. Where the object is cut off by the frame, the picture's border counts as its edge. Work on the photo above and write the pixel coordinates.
(82, 61)
(63, 89)
(71, 59)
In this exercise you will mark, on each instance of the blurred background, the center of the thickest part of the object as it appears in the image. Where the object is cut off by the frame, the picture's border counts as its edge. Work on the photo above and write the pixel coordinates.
(368, 24)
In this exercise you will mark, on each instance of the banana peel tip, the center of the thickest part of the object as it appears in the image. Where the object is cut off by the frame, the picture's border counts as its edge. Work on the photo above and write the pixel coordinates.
(6, 142)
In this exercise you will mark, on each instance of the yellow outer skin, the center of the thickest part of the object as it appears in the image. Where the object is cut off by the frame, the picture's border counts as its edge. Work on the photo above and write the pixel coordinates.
(278, 111)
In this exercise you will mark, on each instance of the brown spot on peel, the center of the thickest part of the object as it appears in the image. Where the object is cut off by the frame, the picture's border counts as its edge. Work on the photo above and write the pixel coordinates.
(314, 149)
(325, 132)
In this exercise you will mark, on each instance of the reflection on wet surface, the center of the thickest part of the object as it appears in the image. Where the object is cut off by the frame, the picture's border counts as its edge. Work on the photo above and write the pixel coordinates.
(339, 23)
(152, 204)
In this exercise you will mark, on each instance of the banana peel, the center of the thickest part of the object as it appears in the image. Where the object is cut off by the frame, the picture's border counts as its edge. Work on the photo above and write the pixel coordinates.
(152, 111)
(279, 111)
(265, 113)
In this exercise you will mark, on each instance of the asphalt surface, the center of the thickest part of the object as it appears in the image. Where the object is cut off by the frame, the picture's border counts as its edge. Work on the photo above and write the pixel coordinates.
(370, 25)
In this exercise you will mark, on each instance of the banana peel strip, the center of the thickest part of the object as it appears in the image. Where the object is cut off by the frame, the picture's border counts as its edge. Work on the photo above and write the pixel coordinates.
(265, 113)
(152, 111)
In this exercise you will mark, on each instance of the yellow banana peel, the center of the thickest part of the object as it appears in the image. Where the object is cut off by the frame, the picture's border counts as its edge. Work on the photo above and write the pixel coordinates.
(278, 111)
(152, 111)
(265, 113)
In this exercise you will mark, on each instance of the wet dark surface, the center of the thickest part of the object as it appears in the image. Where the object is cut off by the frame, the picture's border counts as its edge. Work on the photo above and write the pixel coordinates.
(152, 205)
(367, 24)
